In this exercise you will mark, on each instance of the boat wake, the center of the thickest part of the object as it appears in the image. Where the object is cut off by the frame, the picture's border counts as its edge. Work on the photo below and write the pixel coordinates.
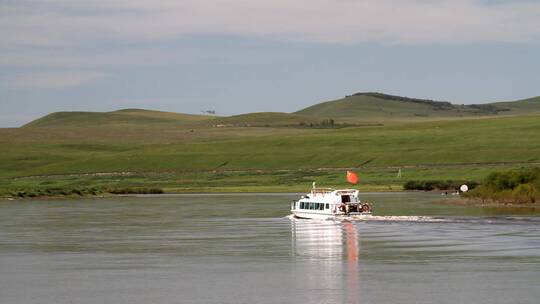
(378, 218)
(430, 219)
(395, 218)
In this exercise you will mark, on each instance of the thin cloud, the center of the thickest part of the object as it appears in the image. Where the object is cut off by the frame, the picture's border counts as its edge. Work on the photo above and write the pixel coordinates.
(89, 59)
(79, 34)
(51, 79)
(64, 23)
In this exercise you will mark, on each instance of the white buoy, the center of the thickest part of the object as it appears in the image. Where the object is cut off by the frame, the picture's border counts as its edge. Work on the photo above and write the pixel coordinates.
(464, 188)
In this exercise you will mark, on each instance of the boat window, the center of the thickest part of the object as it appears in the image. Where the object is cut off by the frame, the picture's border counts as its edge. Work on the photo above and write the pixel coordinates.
(302, 205)
(312, 206)
(345, 198)
(321, 206)
(327, 206)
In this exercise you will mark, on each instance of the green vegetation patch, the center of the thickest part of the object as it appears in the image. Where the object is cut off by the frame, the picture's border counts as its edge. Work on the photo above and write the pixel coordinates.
(521, 186)
(195, 158)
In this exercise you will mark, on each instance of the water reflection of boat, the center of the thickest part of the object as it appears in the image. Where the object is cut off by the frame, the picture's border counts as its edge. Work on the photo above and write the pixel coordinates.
(324, 203)
(330, 249)
(319, 239)
(328, 240)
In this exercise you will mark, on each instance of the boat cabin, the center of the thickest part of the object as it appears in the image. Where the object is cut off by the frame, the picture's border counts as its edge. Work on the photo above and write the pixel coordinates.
(325, 202)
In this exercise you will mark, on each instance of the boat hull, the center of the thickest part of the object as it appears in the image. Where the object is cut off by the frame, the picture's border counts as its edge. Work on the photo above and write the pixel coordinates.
(328, 216)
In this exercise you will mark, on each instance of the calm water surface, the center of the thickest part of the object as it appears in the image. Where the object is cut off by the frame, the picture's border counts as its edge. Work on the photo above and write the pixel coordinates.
(244, 249)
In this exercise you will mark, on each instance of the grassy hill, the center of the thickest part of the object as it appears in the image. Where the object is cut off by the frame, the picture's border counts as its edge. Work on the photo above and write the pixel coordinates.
(264, 119)
(359, 108)
(133, 148)
(121, 117)
(428, 143)
(377, 105)
(263, 159)
(523, 106)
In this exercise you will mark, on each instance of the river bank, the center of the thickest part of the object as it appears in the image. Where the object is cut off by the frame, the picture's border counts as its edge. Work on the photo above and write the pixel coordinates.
(298, 180)
(173, 191)
(476, 202)
(435, 179)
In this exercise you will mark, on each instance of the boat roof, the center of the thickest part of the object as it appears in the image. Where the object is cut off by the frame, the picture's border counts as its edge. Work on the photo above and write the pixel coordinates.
(346, 190)
(323, 190)
(330, 190)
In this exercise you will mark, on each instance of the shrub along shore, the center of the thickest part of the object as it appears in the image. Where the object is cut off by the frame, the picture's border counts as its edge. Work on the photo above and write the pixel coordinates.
(79, 192)
(519, 186)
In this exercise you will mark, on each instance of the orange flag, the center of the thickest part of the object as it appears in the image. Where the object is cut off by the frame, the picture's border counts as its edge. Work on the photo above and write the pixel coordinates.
(352, 177)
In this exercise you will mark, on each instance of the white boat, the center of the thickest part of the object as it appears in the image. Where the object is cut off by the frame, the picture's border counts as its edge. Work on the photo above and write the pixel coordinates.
(326, 203)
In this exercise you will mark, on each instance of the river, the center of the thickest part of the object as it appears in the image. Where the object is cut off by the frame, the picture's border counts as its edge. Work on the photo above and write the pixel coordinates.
(244, 249)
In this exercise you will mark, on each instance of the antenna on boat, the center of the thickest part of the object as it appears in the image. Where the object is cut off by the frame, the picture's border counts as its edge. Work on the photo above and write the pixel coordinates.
(313, 185)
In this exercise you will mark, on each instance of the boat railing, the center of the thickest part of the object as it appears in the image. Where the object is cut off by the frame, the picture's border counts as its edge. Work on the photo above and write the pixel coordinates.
(322, 190)
(346, 191)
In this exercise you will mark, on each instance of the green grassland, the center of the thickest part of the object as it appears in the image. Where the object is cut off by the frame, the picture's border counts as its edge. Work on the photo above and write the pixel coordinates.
(134, 150)
(97, 152)
(262, 119)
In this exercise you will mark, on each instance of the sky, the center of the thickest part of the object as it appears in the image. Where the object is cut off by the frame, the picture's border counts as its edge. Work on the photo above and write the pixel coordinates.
(240, 56)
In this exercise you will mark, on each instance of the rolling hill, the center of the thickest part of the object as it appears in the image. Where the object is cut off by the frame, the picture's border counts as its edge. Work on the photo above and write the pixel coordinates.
(523, 106)
(115, 118)
(263, 119)
(95, 152)
(378, 105)
(359, 108)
